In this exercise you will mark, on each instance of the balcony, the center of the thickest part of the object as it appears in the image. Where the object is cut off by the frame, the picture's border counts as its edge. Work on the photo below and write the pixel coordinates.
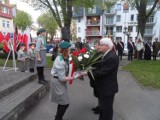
(110, 12)
(110, 23)
(93, 33)
(148, 32)
(93, 23)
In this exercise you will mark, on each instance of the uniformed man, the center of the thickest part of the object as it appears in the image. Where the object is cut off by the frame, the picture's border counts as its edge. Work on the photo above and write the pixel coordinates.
(156, 48)
(147, 52)
(120, 48)
(131, 48)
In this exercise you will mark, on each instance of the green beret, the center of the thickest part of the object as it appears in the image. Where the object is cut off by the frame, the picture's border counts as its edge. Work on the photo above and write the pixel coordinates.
(32, 43)
(64, 45)
(21, 44)
(41, 30)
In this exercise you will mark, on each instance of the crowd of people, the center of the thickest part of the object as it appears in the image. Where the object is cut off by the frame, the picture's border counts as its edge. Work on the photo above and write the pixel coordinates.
(104, 84)
(139, 49)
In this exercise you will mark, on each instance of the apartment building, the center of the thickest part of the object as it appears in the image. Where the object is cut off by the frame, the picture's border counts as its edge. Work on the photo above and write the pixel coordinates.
(6, 17)
(92, 24)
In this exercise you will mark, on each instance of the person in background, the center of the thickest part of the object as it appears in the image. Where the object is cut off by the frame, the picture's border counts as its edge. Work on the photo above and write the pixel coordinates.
(85, 45)
(93, 82)
(55, 52)
(31, 56)
(147, 52)
(131, 47)
(114, 46)
(156, 48)
(58, 86)
(41, 55)
(21, 57)
(139, 47)
(79, 44)
(120, 48)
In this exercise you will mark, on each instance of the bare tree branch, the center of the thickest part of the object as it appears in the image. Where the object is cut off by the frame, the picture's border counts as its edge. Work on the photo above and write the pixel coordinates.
(153, 7)
(54, 14)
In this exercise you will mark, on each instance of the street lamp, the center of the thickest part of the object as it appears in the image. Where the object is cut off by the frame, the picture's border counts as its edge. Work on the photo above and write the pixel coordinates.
(126, 32)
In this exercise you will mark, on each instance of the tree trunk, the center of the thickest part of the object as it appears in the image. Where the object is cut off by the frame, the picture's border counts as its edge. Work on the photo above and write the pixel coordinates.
(67, 14)
(141, 24)
(52, 35)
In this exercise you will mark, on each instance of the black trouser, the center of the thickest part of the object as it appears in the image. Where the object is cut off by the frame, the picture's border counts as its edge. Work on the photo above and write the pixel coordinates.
(154, 55)
(61, 109)
(130, 54)
(40, 72)
(120, 53)
(106, 103)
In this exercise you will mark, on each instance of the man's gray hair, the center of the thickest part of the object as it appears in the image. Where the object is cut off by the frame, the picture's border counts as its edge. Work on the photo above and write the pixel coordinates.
(107, 41)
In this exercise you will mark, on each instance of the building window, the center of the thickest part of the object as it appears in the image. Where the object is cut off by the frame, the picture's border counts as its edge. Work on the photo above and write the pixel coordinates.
(3, 23)
(118, 7)
(79, 29)
(109, 20)
(5, 10)
(3, 1)
(132, 6)
(118, 38)
(130, 28)
(109, 29)
(132, 17)
(150, 19)
(118, 18)
(118, 28)
(7, 24)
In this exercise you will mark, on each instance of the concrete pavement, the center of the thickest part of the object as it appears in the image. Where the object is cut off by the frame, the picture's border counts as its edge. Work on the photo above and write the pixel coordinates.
(132, 102)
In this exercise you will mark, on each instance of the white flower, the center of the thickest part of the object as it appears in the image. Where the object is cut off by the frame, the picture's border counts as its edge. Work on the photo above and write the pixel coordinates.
(86, 55)
(87, 52)
(92, 48)
(80, 58)
(70, 58)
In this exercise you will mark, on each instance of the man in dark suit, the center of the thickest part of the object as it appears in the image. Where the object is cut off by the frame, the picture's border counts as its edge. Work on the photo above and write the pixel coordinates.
(106, 79)
(156, 48)
(120, 48)
(131, 47)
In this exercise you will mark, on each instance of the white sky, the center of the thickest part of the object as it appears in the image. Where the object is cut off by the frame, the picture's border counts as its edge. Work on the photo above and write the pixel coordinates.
(25, 7)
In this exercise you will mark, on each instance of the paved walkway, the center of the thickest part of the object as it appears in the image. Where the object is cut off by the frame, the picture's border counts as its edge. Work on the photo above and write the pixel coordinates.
(132, 102)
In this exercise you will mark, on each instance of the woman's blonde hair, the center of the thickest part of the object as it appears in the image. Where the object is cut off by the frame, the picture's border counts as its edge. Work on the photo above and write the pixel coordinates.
(65, 53)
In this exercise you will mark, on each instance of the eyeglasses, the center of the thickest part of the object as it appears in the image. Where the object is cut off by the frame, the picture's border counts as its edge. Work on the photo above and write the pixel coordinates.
(102, 45)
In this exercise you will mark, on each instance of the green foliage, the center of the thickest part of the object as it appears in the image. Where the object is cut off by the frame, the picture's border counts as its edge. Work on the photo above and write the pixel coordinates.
(1, 46)
(47, 21)
(145, 72)
(22, 20)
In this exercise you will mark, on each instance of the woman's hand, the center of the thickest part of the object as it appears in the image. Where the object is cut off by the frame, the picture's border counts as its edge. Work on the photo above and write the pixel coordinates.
(84, 73)
(39, 59)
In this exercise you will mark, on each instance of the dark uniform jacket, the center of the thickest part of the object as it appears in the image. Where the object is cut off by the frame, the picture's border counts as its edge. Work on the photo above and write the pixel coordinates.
(106, 75)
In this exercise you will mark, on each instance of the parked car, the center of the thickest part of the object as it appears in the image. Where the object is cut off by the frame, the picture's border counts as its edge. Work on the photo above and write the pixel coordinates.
(49, 46)
(125, 52)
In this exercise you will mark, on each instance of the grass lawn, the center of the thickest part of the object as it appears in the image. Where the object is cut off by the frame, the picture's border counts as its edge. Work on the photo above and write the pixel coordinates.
(10, 62)
(146, 72)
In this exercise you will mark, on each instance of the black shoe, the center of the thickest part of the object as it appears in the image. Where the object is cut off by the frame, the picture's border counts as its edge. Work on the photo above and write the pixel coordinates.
(41, 82)
(45, 81)
(97, 111)
(96, 108)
